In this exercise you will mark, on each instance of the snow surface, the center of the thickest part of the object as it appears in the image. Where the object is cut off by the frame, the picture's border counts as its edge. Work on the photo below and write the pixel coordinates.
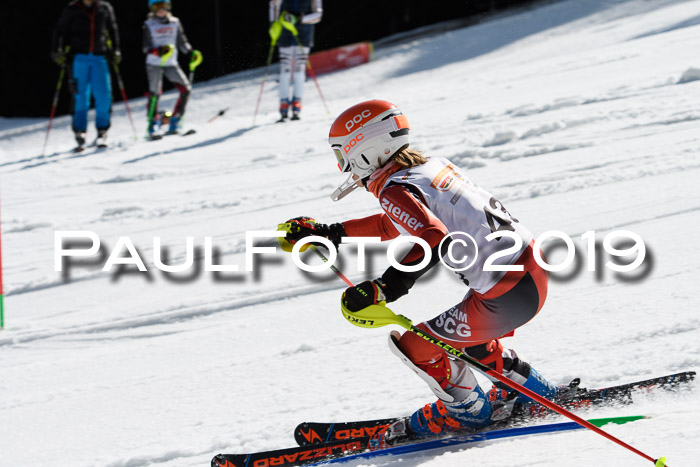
(577, 115)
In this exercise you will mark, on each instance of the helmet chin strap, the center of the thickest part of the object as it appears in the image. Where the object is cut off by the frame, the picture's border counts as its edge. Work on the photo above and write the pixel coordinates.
(347, 187)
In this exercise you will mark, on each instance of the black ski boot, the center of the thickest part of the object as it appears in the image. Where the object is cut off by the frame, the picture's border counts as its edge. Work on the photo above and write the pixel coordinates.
(80, 139)
(101, 140)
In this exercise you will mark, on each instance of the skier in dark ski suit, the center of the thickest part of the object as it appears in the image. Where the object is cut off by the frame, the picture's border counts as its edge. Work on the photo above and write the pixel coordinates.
(293, 52)
(85, 38)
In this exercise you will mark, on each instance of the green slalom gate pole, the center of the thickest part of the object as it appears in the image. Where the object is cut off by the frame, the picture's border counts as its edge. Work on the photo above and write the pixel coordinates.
(291, 28)
(2, 293)
(375, 316)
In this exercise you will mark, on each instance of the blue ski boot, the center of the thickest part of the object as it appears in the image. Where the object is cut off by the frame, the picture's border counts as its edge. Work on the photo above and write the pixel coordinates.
(473, 412)
(296, 108)
(284, 110)
(154, 129)
(477, 411)
(174, 127)
(538, 384)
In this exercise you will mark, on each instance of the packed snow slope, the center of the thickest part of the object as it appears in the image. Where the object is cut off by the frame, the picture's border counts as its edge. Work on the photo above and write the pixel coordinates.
(579, 116)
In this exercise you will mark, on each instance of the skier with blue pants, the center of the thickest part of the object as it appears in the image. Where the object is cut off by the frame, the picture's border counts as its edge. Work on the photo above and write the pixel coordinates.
(85, 39)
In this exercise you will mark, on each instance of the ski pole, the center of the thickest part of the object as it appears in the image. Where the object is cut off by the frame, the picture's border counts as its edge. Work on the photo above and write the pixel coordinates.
(333, 268)
(375, 316)
(313, 76)
(219, 114)
(262, 84)
(120, 83)
(195, 61)
(123, 92)
(54, 104)
(288, 247)
(291, 28)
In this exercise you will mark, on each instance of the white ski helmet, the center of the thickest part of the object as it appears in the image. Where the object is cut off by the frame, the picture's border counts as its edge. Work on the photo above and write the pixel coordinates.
(364, 138)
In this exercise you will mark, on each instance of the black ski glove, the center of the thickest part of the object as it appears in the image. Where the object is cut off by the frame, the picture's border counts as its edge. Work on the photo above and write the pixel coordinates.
(115, 56)
(302, 227)
(160, 51)
(290, 18)
(365, 294)
(59, 57)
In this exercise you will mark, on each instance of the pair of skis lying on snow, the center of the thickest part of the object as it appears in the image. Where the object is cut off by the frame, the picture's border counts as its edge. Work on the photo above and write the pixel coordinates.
(328, 443)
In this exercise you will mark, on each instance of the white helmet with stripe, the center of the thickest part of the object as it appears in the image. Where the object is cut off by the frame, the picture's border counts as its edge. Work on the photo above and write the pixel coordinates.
(364, 138)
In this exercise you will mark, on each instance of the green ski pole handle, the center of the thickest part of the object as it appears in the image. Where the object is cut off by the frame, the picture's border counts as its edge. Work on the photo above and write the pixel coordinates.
(287, 25)
(288, 247)
(196, 59)
(275, 31)
(166, 56)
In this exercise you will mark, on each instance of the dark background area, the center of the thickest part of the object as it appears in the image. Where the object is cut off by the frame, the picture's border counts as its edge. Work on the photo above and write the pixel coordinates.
(231, 34)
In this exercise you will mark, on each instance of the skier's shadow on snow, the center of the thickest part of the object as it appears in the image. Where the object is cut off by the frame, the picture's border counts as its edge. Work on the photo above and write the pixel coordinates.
(201, 144)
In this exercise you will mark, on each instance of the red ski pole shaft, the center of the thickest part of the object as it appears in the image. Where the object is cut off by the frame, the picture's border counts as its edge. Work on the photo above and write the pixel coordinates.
(333, 268)
(262, 84)
(313, 76)
(522, 389)
(123, 93)
(404, 322)
(53, 106)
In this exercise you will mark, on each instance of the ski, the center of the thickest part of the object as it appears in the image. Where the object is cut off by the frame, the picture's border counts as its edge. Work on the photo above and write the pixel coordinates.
(363, 447)
(158, 136)
(467, 440)
(573, 398)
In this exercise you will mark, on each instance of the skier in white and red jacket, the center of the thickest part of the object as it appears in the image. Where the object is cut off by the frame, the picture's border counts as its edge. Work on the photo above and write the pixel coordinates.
(432, 199)
(163, 38)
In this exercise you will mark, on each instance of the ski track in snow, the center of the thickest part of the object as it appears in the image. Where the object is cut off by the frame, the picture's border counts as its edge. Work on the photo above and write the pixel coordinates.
(579, 116)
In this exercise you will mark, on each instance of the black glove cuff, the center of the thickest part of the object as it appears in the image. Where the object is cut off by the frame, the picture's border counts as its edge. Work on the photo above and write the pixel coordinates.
(335, 233)
(394, 285)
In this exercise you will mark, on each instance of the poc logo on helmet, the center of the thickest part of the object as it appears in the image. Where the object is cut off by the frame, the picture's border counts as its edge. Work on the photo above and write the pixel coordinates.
(353, 142)
(357, 119)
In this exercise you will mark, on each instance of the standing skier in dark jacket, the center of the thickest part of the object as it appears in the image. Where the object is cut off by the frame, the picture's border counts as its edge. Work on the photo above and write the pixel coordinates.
(85, 37)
